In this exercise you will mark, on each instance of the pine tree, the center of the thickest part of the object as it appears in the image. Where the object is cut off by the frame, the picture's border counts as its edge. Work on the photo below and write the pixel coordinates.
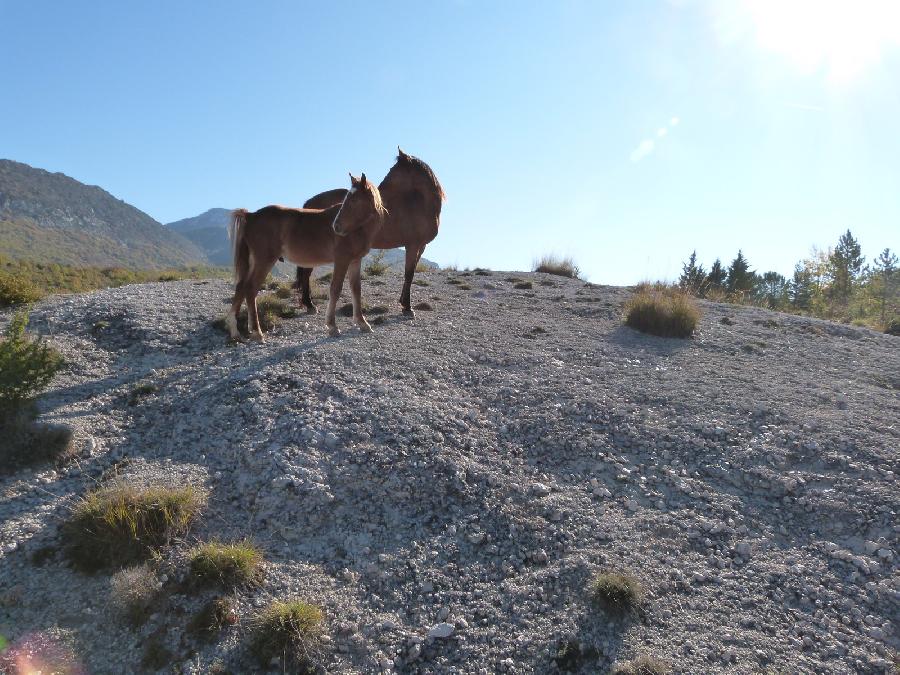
(886, 268)
(717, 276)
(772, 290)
(693, 276)
(801, 287)
(741, 278)
(845, 265)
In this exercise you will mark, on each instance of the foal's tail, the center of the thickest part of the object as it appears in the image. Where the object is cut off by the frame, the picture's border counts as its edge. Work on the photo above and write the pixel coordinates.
(240, 250)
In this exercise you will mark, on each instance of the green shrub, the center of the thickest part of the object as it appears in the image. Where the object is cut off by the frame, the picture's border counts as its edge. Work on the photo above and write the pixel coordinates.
(615, 591)
(893, 327)
(563, 267)
(26, 366)
(123, 524)
(228, 564)
(662, 311)
(291, 632)
(16, 290)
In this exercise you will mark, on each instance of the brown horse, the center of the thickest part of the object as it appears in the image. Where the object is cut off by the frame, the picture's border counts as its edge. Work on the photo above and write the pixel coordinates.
(412, 196)
(341, 234)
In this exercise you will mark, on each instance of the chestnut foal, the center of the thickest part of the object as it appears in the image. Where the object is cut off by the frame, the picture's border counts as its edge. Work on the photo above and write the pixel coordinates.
(341, 234)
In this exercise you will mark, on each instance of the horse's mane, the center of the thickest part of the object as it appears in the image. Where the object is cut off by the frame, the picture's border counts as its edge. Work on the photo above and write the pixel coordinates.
(417, 164)
(376, 195)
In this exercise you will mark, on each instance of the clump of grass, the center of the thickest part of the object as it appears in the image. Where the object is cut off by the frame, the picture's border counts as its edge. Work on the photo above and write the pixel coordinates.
(169, 276)
(552, 264)
(289, 631)
(376, 266)
(454, 281)
(615, 591)
(523, 285)
(283, 291)
(423, 307)
(123, 524)
(480, 271)
(423, 267)
(463, 287)
(641, 665)
(421, 282)
(133, 590)
(17, 291)
(227, 564)
(140, 392)
(213, 617)
(662, 311)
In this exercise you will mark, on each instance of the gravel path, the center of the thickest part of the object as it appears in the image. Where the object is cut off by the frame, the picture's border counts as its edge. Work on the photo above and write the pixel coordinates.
(467, 473)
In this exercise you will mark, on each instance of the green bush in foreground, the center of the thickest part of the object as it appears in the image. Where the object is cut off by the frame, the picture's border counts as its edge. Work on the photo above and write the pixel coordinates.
(123, 524)
(229, 564)
(26, 366)
(291, 632)
(16, 290)
(662, 311)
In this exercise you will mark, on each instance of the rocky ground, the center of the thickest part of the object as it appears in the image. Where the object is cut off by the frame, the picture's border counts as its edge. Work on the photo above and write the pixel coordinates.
(464, 474)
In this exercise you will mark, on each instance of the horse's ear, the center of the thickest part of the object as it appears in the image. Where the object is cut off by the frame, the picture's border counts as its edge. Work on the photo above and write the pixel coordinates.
(400, 152)
(362, 178)
(353, 180)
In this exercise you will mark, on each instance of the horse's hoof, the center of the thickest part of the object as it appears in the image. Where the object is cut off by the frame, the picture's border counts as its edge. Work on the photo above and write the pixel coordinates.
(312, 309)
(257, 337)
(409, 313)
(333, 331)
(237, 338)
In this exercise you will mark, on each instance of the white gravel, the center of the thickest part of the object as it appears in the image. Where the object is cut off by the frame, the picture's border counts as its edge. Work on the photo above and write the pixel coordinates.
(446, 487)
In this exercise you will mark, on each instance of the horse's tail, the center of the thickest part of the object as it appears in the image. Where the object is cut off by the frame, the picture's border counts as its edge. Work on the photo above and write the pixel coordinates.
(240, 250)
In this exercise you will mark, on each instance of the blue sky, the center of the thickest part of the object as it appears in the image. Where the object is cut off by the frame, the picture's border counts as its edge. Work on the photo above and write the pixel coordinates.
(625, 134)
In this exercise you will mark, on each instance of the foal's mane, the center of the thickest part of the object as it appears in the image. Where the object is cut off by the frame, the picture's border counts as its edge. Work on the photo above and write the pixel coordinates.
(376, 195)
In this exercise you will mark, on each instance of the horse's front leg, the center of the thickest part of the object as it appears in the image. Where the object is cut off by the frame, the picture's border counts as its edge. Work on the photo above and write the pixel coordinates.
(356, 290)
(337, 283)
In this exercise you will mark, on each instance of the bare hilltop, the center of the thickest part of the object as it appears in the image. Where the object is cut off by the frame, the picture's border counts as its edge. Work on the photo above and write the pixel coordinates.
(450, 490)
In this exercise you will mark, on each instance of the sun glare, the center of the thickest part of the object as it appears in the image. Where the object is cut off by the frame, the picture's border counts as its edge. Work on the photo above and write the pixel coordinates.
(840, 38)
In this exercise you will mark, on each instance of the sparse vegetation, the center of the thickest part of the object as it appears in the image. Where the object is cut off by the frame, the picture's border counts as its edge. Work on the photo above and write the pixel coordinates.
(615, 591)
(421, 282)
(423, 306)
(123, 524)
(641, 665)
(463, 287)
(231, 565)
(289, 631)
(552, 264)
(270, 309)
(156, 655)
(283, 291)
(423, 267)
(27, 366)
(376, 266)
(140, 392)
(133, 590)
(16, 290)
(212, 618)
(523, 285)
(662, 311)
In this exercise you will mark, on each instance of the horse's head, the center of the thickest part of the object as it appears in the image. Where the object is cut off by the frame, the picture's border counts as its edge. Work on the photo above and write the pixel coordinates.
(361, 206)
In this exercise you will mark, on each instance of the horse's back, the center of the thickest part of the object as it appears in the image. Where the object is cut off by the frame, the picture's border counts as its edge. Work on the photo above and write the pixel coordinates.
(325, 199)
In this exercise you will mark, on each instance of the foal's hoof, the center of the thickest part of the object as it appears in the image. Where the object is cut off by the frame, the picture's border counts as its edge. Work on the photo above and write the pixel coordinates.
(257, 337)
(236, 338)
(333, 331)
(409, 313)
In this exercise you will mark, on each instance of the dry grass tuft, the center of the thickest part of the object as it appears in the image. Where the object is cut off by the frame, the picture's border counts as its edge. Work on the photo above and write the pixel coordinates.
(640, 665)
(616, 592)
(123, 524)
(376, 266)
(523, 285)
(662, 311)
(289, 631)
(133, 591)
(552, 264)
(231, 565)
(212, 618)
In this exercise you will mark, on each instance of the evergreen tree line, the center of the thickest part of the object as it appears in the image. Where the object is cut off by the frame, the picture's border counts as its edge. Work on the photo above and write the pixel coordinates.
(833, 284)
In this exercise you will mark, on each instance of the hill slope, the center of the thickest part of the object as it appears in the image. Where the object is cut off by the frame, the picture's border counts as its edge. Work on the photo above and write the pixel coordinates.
(475, 467)
(49, 217)
(209, 232)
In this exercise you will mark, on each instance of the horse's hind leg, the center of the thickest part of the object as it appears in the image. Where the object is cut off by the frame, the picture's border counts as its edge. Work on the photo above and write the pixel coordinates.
(231, 317)
(258, 274)
(303, 276)
(356, 291)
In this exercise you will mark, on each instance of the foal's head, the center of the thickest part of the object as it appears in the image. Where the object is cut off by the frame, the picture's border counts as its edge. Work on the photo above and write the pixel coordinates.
(361, 206)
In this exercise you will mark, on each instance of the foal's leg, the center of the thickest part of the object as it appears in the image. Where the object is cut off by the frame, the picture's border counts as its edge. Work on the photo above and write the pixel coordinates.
(412, 259)
(303, 275)
(356, 290)
(337, 282)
